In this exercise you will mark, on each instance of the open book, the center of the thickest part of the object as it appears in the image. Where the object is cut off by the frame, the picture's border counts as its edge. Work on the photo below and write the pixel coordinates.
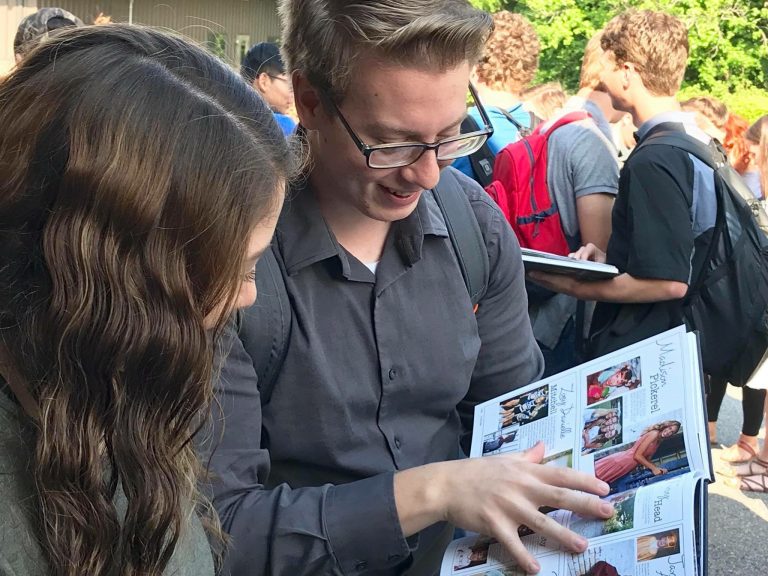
(642, 403)
(554, 264)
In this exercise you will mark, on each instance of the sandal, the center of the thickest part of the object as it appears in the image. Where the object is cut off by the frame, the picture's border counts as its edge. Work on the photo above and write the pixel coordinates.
(734, 454)
(754, 483)
(754, 467)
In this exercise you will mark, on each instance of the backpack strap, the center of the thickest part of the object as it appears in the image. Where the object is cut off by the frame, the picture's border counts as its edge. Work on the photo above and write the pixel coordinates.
(265, 327)
(481, 160)
(552, 125)
(464, 231)
(715, 158)
(522, 130)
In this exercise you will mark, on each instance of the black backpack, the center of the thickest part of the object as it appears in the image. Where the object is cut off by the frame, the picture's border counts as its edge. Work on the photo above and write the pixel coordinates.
(265, 327)
(728, 302)
(483, 160)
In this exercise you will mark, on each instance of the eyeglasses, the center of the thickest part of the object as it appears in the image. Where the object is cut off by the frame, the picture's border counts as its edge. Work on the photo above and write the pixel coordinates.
(399, 154)
(283, 78)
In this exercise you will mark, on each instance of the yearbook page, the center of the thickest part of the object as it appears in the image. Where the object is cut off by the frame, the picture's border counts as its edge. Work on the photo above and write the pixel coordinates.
(651, 534)
(634, 418)
(644, 400)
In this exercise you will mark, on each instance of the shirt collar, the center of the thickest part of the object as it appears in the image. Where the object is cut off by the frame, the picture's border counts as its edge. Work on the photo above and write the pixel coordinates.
(687, 119)
(305, 238)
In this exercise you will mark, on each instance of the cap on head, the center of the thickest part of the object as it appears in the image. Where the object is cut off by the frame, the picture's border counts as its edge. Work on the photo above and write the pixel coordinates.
(41, 23)
(262, 57)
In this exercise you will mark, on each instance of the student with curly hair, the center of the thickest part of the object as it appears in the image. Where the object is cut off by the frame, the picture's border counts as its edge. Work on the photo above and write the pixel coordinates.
(507, 66)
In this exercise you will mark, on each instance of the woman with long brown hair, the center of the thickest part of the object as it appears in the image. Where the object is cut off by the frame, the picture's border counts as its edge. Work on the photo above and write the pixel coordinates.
(140, 178)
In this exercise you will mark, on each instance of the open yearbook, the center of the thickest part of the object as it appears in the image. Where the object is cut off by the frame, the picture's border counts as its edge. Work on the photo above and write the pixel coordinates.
(554, 264)
(636, 419)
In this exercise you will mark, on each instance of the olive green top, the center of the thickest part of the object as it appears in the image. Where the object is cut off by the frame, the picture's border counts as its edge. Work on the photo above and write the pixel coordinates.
(20, 553)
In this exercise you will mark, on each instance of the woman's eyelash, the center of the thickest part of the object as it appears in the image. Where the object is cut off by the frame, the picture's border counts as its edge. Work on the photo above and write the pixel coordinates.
(251, 276)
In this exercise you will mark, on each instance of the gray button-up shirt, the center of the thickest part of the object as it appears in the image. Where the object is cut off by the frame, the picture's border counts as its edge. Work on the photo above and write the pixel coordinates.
(382, 373)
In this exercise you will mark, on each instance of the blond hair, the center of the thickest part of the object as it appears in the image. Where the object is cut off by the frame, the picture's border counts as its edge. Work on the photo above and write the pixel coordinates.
(591, 64)
(711, 114)
(711, 108)
(544, 100)
(656, 44)
(322, 39)
(511, 55)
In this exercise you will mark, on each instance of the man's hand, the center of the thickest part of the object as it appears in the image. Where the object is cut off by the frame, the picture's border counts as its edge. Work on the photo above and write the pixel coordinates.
(496, 495)
(565, 284)
(589, 252)
(560, 283)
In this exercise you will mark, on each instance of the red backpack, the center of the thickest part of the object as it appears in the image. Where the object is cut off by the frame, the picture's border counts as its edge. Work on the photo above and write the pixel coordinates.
(520, 188)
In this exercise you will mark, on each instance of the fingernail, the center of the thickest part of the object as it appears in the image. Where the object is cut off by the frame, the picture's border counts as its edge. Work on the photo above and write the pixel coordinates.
(604, 487)
(606, 508)
(579, 543)
(533, 567)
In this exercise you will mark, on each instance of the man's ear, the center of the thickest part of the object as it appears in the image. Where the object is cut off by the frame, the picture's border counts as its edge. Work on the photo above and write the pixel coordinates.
(473, 77)
(261, 81)
(309, 106)
(628, 74)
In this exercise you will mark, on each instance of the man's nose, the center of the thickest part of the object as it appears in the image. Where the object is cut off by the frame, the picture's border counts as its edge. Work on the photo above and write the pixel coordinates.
(425, 171)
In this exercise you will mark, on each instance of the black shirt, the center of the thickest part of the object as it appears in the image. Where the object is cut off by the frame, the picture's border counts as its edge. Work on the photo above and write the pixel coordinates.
(662, 221)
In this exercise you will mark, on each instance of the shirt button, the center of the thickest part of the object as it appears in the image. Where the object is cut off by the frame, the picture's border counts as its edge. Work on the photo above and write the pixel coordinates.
(392, 374)
(397, 443)
(362, 565)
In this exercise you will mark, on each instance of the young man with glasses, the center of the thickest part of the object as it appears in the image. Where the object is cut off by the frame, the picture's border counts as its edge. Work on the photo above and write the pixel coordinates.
(350, 465)
(263, 68)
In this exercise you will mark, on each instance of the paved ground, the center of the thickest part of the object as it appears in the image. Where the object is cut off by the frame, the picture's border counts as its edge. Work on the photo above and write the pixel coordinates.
(738, 521)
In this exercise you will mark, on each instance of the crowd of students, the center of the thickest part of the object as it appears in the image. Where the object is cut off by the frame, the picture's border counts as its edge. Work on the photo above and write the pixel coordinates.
(145, 186)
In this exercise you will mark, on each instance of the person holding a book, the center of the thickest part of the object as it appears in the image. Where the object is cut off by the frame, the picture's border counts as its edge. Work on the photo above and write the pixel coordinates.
(657, 242)
(386, 350)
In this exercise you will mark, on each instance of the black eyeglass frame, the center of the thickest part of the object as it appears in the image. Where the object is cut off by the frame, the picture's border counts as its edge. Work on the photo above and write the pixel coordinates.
(367, 150)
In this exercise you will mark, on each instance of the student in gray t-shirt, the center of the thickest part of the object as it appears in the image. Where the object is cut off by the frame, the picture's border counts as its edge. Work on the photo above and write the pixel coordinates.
(583, 178)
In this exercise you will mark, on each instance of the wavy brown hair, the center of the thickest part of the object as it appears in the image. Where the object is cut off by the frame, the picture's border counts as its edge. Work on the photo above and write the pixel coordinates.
(133, 167)
(511, 55)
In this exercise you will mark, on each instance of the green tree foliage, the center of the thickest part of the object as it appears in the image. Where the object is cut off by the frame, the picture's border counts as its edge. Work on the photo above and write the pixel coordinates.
(728, 42)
